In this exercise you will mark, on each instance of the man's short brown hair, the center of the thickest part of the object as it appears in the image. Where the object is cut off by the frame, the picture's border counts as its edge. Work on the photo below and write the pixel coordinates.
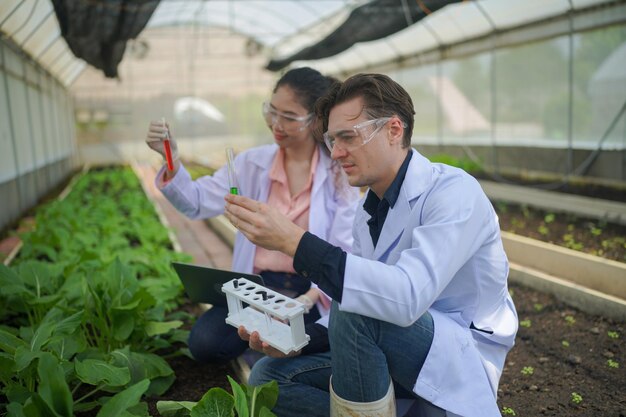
(382, 96)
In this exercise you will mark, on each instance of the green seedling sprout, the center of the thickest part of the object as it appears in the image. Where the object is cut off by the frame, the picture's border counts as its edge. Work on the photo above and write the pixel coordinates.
(612, 364)
(508, 411)
(577, 398)
(528, 370)
(526, 323)
(612, 334)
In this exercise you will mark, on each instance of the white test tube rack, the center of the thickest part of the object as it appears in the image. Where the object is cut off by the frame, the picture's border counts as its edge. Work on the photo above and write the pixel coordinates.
(285, 334)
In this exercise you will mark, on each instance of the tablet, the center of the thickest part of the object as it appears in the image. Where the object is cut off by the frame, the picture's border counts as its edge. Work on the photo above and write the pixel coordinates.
(204, 285)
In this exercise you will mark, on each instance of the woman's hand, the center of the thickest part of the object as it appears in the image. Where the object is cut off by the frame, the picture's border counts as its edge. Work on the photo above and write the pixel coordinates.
(158, 132)
(263, 225)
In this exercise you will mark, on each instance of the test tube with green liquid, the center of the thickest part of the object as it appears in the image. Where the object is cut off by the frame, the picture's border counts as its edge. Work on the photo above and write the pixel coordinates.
(232, 175)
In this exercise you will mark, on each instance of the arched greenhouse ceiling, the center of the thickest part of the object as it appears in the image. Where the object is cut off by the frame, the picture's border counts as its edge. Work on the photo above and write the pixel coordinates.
(299, 32)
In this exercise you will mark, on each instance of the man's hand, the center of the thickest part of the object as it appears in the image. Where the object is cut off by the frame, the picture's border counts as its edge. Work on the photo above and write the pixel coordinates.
(263, 225)
(255, 343)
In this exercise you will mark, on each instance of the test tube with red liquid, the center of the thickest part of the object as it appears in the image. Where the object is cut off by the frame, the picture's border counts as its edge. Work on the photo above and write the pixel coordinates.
(168, 148)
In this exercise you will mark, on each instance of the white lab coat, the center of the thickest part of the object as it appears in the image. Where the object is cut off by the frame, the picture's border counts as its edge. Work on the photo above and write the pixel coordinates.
(440, 251)
(330, 216)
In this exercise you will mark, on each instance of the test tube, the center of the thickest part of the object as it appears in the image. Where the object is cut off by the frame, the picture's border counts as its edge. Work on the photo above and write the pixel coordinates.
(232, 175)
(168, 148)
(268, 317)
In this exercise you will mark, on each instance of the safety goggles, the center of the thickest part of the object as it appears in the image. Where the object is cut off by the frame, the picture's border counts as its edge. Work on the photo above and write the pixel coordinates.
(356, 136)
(287, 122)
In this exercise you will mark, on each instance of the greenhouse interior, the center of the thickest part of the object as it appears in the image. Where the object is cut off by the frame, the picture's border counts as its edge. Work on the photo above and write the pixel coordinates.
(127, 126)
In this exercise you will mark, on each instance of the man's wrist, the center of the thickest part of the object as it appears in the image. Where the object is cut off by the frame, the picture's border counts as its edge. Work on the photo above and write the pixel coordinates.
(291, 244)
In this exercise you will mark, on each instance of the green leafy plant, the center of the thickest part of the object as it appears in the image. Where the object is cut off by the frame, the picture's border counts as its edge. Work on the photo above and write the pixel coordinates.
(612, 334)
(549, 218)
(86, 304)
(465, 164)
(612, 363)
(538, 307)
(596, 231)
(570, 320)
(571, 243)
(508, 411)
(565, 343)
(528, 370)
(525, 323)
(576, 398)
(246, 401)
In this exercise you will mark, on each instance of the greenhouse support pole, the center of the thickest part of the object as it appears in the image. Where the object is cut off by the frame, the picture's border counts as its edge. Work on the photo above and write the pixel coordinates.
(18, 178)
(30, 130)
(570, 105)
(46, 153)
(493, 85)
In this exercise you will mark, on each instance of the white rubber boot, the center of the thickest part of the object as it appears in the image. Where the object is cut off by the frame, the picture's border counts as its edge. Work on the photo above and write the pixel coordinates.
(385, 407)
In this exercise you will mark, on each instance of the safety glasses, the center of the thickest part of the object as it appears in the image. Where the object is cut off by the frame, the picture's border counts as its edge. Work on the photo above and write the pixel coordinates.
(287, 122)
(356, 136)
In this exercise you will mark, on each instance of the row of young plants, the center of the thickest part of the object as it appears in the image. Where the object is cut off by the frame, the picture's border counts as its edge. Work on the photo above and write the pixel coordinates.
(88, 303)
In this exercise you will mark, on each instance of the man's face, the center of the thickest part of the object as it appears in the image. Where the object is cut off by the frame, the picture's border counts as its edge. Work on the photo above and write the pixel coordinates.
(370, 164)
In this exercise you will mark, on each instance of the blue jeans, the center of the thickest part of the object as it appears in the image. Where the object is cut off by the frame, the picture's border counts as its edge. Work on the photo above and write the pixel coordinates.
(365, 353)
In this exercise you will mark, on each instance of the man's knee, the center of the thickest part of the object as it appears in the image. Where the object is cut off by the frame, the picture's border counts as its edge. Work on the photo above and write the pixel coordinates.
(344, 325)
(263, 371)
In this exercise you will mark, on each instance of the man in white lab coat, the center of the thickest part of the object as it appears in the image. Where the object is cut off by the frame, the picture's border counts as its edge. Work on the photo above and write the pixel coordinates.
(421, 304)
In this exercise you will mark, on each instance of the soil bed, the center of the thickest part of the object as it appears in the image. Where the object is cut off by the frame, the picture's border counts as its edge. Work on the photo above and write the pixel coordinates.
(592, 236)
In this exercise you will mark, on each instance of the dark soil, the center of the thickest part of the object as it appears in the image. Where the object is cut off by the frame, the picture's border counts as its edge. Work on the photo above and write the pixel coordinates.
(569, 352)
(595, 237)
(193, 380)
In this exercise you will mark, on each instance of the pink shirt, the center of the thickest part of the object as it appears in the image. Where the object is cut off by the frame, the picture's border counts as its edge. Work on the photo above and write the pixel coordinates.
(295, 207)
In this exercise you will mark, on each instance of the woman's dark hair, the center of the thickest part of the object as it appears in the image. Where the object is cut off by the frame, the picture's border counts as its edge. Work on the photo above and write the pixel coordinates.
(307, 83)
(382, 97)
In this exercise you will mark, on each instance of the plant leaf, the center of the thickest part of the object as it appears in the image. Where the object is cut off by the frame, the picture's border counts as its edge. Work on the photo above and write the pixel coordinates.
(53, 387)
(241, 400)
(15, 410)
(265, 412)
(123, 324)
(9, 342)
(215, 403)
(95, 372)
(175, 408)
(24, 357)
(123, 400)
(266, 396)
(154, 328)
(38, 407)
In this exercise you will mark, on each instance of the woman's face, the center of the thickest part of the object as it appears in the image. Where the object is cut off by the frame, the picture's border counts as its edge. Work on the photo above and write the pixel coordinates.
(289, 121)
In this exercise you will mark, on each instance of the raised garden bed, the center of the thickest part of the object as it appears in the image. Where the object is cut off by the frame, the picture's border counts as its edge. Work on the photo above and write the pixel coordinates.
(87, 305)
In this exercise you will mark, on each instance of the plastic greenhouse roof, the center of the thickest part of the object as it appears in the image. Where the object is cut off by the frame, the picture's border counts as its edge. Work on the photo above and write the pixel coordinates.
(32, 25)
(283, 27)
(453, 24)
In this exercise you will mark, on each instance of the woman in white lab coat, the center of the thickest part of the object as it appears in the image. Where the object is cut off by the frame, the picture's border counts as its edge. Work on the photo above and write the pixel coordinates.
(296, 175)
